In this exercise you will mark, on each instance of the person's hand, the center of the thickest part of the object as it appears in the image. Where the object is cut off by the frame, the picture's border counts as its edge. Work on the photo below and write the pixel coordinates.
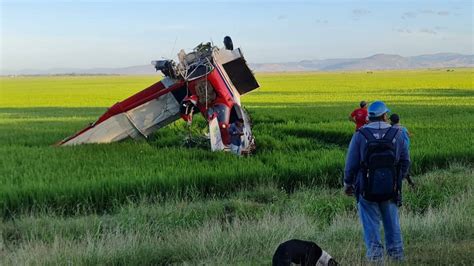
(349, 190)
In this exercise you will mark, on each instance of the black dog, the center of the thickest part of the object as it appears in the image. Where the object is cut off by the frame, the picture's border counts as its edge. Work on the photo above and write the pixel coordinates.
(301, 252)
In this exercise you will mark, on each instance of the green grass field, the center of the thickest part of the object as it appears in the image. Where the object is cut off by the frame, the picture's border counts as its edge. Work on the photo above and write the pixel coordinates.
(141, 202)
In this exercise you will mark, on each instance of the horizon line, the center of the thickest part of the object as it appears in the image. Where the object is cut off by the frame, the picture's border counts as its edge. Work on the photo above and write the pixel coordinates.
(255, 63)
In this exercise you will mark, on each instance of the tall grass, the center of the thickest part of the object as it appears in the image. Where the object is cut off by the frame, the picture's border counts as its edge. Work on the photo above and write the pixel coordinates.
(245, 228)
(300, 124)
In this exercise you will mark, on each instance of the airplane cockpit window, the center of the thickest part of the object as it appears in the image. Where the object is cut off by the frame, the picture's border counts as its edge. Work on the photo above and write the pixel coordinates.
(235, 113)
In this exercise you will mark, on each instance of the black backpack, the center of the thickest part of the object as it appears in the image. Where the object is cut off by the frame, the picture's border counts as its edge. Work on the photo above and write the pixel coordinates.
(380, 169)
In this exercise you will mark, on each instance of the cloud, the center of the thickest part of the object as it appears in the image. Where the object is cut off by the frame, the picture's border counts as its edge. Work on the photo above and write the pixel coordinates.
(360, 12)
(428, 31)
(321, 21)
(413, 14)
(281, 17)
(403, 30)
(407, 15)
(426, 11)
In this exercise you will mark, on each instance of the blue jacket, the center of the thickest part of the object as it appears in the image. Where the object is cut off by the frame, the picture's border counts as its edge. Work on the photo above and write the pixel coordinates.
(235, 137)
(357, 149)
(405, 135)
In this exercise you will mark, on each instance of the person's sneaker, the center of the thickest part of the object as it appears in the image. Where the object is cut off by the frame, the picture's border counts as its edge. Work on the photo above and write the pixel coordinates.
(396, 255)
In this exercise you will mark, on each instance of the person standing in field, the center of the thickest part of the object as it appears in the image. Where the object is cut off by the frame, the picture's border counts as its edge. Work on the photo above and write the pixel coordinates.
(376, 161)
(236, 132)
(395, 122)
(359, 115)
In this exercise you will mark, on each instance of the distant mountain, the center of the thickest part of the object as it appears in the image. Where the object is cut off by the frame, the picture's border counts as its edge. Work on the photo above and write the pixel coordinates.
(375, 62)
(131, 70)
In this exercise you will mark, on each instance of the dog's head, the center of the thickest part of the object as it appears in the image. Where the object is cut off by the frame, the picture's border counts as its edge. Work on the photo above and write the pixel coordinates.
(326, 260)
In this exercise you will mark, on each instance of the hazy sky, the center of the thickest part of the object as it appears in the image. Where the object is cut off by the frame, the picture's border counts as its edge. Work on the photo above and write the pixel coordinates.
(86, 34)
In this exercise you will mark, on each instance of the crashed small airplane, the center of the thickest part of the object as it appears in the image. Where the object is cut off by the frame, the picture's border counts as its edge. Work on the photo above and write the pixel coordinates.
(208, 80)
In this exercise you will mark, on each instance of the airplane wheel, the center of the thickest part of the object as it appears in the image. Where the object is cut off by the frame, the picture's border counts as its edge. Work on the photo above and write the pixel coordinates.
(229, 45)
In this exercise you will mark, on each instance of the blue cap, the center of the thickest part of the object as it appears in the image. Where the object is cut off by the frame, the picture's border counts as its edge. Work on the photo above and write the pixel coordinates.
(377, 108)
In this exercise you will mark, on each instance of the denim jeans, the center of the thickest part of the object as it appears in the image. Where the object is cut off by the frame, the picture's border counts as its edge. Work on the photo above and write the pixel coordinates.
(370, 214)
(235, 149)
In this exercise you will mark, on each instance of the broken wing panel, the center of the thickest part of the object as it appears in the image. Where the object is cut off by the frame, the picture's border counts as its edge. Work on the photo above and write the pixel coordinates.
(113, 129)
(154, 114)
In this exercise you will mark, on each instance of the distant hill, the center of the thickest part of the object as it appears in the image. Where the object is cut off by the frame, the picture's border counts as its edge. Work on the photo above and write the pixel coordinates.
(375, 62)
(131, 70)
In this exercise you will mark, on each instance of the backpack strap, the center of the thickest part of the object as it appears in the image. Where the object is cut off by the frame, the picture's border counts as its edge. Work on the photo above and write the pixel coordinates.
(391, 134)
(367, 134)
